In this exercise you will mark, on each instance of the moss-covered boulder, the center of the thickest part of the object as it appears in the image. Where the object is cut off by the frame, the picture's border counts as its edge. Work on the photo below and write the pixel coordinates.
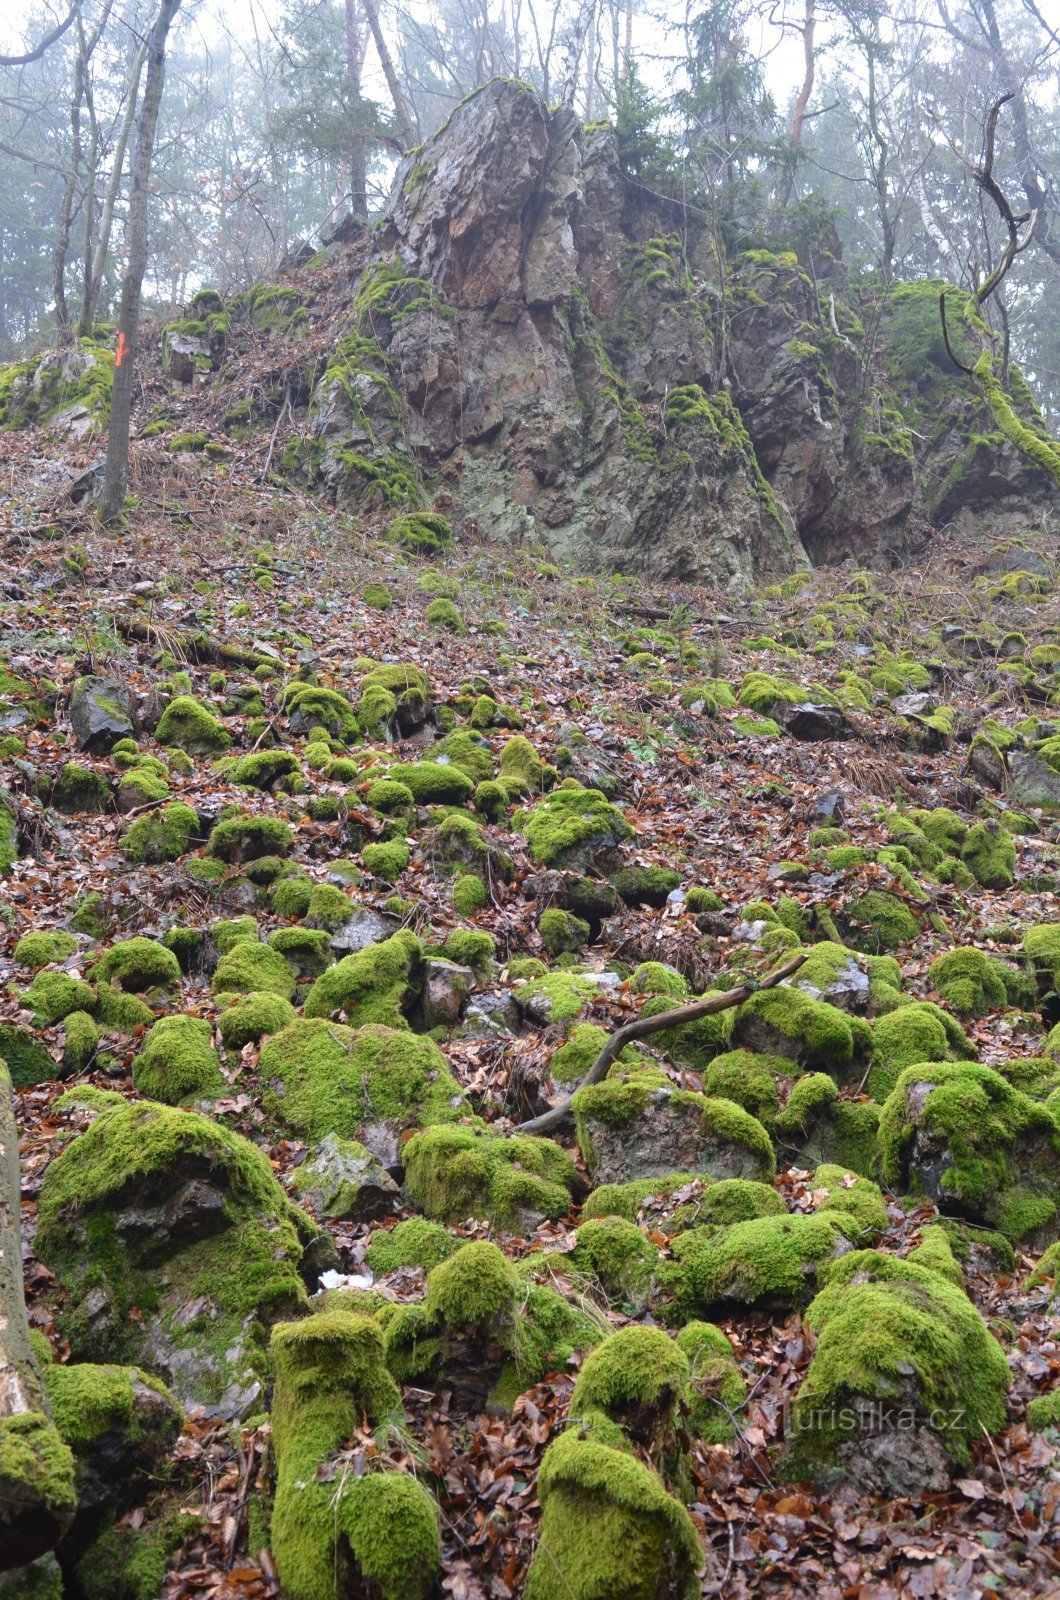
(609, 1527)
(716, 1390)
(342, 1179)
(636, 1125)
(906, 1377)
(989, 854)
(248, 967)
(575, 829)
(636, 1378)
(678, 1202)
(371, 1083)
(452, 1173)
(416, 1242)
(187, 725)
(786, 1022)
(616, 1253)
(136, 965)
(772, 1262)
(27, 1060)
(974, 983)
(336, 1533)
(434, 782)
(380, 984)
(245, 837)
(173, 1241)
(911, 1033)
(836, 1188)
(178, 1062)
(962, 1135)
(121, 1424)
(159, 836)
(819, 1124)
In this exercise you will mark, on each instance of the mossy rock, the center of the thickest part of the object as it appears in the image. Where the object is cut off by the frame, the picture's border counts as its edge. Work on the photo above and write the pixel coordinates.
(27, 1060)
(230, 1241)
(905, 1379)
(609, 1527)
(574, 828)
(252, 1017)
(816, 1036)
(975, 983)
(920, 1031)
(962, 1135)
(43, 947)
(178, 1062)
(136, 965)
(368, 1083)
(379, 984)
(246, 837)
(452, 1173)
(190, 727)
(635, 1125)
(618, 1255)
(816, 1125)
(252, 968)
(770, 1261)
(331, 1537)
(415, 1242)
(160, 836)
(990, 855)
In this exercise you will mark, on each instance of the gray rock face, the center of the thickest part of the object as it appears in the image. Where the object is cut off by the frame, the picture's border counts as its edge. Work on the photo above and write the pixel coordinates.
(549, 343)
(668, 1134)
(344, 1181)
(445, 989)
(100, 713)
(363, 928)
(1032, 784)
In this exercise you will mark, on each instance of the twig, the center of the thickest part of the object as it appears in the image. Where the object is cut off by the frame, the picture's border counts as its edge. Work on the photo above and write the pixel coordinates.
(642, 1026)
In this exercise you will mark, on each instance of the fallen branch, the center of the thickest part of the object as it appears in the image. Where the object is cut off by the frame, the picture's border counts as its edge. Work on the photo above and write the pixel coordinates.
(641, 1027)
(197, 647)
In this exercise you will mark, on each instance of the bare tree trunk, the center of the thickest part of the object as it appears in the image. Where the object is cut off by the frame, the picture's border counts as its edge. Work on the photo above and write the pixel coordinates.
(116, 476)
(358, 175)
(66, 208)
(90, 300)
(802, 101)
(628, 52)
(406, 131)
(37, 1495)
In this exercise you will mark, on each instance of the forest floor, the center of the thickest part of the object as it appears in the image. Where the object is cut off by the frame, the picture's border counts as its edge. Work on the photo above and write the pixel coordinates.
(216, 550)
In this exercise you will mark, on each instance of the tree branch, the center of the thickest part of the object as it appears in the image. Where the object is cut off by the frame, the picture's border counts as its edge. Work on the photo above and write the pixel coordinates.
(641, 1027)
(45, 44)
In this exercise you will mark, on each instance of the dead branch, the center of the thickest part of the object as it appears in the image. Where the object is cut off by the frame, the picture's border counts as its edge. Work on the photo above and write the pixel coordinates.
(197, 647)
(641, 1027)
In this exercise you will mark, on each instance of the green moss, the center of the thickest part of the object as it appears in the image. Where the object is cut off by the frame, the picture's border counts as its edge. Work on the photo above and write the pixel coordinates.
(973, 983)
(858, 1197)
(136, 965)
(420, 532)
(190, 727)
(390, 797)
(720, 1123)
(452, 1173)
(469, 894)
(246, 1263)
(990, 855)
(561, 931)
(936, 1253)
(616, 1252)
(748, 1079)
(250, 968)
(786, 1022)
(333, 1533)
(291, 897)
(698, 899)
(1044, 1412)
(252, 1017)
(378, 596)
(334, 1079)
(414, 1243)
(41, 948)
(245, 837)
(432, 783)
(264, 769)
(160, 836)
(443, 614)
(572, 825)
(124, 1012)
(77, 788)
(635, 1371)
(901, 1337)
(470, 947)
(36, 1468)
(475, 1284)
(241, 930)
(572, 1060)
(609, 1528)
(178, 1062)
(311, 706)
(378, 984)
(716, 1390)
(53, 995)
(521, 769)
(883, 921)
(770, 1260)
(911, 1033)
(27, 1060)
(990, 1133)
(386, 861)
(817, 1126)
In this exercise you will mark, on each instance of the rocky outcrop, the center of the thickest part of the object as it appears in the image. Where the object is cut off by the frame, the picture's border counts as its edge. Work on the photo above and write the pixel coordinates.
(551, 352)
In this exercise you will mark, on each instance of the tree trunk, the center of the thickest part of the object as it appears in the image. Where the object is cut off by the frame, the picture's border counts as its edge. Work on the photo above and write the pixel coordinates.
(37, 1496)
(116, 476)
(94, 279)
(802, 101)
(406, 130)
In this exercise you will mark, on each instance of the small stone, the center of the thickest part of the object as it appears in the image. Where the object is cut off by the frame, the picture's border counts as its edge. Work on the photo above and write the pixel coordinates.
(100, 713)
